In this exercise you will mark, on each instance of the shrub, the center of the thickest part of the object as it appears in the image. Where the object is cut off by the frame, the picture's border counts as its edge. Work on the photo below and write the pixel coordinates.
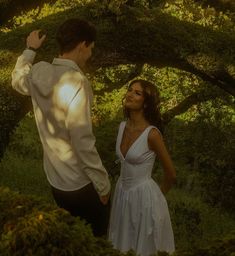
(219, 247)
(195, 224)
(29, 226)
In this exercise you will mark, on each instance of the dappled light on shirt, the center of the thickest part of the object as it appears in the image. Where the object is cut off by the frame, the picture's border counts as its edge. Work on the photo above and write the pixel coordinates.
(61, 147)
(77, 111)
(38, 114)
(66, 89)
(50, 127)
(61, 99)
(63, 94)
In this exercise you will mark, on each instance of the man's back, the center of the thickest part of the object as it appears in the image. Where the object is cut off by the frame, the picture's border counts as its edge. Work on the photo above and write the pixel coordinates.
(53, 88)
(62, 98)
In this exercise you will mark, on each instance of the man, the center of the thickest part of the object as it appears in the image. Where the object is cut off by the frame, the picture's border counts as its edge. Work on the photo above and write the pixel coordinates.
(62, 98)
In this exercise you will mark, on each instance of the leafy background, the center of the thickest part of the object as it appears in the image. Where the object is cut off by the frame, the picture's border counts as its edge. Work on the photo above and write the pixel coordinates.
(200, 136)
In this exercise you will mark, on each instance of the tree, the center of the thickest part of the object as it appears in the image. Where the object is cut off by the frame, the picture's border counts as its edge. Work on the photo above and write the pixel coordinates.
(182, 35)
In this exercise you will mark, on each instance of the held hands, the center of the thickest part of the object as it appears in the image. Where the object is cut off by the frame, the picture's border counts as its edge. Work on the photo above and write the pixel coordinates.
(105, 199)
(34, 40)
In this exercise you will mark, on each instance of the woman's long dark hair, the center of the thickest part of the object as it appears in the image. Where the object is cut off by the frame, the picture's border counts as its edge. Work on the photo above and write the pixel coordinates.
(151, 103)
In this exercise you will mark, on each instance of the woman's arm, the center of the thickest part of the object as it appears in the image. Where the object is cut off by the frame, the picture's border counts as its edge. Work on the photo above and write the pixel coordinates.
(157, 145)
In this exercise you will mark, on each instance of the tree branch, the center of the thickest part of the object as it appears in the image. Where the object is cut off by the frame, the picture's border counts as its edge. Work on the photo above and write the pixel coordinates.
(193, 99)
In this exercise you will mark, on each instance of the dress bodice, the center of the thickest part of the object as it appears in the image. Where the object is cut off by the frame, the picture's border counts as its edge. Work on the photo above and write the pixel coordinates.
(136, 166)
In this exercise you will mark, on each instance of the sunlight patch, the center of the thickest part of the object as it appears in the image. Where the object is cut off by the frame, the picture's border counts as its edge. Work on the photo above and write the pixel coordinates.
(50, 127)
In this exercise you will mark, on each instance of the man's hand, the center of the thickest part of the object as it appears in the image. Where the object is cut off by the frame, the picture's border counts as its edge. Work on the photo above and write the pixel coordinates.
(34, 40)
(104, 199)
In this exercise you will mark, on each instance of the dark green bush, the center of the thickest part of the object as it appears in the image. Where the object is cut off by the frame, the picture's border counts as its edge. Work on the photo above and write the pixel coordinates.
(219, 184)
(7, 11)
(14, 205)
(53, 232)
(219, 247)
(208, 153)
(29, 226)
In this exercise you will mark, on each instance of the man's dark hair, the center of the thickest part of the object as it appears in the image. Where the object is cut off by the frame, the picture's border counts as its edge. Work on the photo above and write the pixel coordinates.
(73, 32)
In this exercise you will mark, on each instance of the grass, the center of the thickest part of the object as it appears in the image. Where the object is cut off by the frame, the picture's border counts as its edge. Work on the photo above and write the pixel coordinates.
(25, 175)
(194, 222)
(22, 166)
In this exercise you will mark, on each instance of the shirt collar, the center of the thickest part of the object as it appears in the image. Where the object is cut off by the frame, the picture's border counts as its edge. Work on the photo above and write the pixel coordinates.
(66, 62)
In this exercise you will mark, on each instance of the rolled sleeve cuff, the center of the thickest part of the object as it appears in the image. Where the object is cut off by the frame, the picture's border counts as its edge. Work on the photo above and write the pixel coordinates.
(29, 55)
(106, 190)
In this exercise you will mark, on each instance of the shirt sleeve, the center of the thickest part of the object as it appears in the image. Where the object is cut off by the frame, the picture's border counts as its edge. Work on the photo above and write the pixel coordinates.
(79, 124)
(20, 74)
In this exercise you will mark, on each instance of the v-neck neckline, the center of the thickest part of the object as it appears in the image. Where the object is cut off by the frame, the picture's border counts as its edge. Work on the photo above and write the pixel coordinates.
(134, 142)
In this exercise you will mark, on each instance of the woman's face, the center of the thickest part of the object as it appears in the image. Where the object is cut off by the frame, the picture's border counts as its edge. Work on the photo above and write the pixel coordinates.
(134, 99)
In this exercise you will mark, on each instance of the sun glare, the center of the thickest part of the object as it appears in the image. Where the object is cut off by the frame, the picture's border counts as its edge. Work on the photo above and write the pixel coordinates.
(64, 94)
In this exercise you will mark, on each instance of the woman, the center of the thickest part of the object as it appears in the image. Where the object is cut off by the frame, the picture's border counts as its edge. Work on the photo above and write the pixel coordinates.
(139, 217)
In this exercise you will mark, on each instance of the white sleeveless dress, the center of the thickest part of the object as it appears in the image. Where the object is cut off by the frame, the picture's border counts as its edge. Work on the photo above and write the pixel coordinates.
(139, 218)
